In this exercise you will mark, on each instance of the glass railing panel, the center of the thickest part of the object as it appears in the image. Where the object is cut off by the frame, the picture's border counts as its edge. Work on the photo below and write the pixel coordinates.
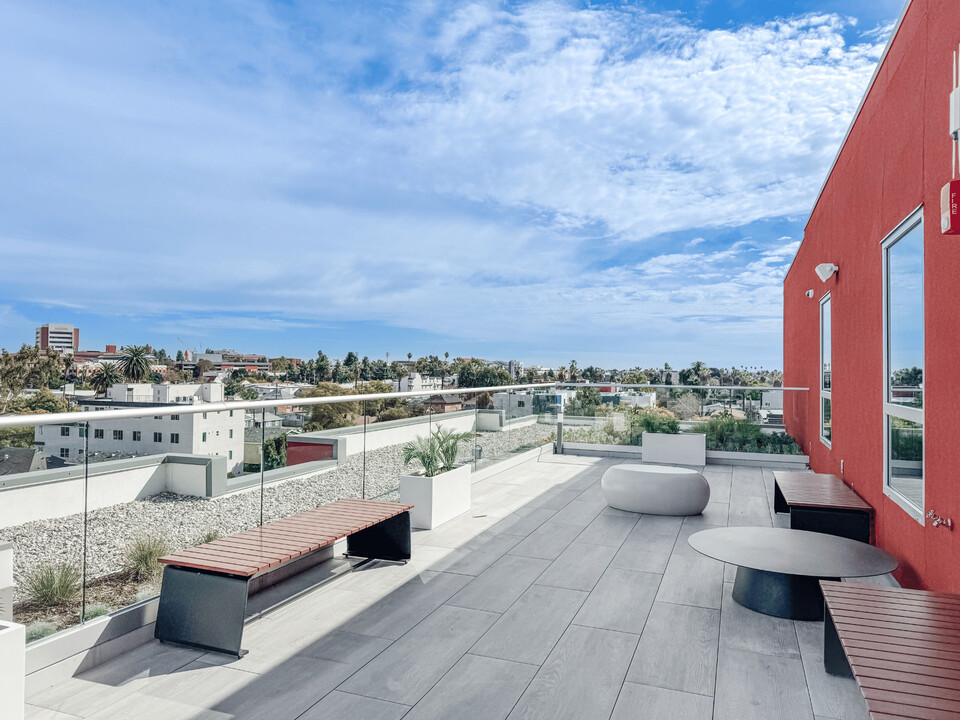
(164, 482)
(745, 420)
(41, 524)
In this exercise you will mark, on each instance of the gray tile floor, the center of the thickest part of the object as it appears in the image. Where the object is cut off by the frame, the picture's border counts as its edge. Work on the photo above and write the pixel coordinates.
(540, 603)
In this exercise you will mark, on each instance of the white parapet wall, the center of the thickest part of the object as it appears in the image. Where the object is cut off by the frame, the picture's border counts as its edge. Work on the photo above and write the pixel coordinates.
(60, 492)
(394, 432)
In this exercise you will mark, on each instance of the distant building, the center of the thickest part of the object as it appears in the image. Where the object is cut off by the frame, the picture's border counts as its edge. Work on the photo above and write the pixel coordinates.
(445, 403)
(415, 382)
(14, 461)
(65, 338)
(637, 399)
(514, 367)
(232, 360)
(214, 433)
(91, 356)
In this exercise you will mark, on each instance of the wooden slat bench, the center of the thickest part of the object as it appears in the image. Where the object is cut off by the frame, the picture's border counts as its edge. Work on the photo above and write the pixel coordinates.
(203, 599)
(902, 646)
(822, 503)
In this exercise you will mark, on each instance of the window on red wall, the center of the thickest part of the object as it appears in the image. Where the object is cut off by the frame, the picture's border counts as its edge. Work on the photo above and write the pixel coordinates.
(826, 375)
(903, 365)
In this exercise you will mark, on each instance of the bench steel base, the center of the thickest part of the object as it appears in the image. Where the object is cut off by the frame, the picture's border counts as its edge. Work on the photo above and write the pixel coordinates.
(834, 658)
(851, 524)
(202, 609)
(206, 610)
(387, 540)
(796, 597)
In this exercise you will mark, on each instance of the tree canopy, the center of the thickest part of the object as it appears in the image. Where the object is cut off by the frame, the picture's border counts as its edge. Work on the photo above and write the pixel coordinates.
(134, 363)
(334, 415)
(474, 373)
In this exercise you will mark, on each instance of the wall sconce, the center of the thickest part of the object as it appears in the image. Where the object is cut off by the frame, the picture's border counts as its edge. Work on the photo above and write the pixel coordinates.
(809, 293)
(826, 270)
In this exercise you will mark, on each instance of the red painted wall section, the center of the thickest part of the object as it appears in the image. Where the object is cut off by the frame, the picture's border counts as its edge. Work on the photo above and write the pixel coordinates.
(298, 453)
(896, 158)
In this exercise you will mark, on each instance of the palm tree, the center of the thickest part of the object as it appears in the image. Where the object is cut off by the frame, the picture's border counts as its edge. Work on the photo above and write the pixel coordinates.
(104, 376)
(701, 372)
(134, 363)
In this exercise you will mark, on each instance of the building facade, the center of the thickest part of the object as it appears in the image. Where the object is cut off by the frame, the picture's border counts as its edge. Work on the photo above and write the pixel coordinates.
(871, 303)
(213, 433)
(59, 336)
(232, 360)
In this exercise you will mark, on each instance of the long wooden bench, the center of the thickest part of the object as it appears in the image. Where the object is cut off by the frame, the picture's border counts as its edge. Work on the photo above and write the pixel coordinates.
(902, 646)
(203, 598)
(822, 503)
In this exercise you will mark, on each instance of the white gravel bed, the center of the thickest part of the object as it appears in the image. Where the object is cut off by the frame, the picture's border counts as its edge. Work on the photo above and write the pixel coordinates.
(182, 520)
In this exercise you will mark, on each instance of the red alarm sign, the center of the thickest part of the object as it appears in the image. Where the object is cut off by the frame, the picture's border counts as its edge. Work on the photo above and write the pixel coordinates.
(950, 208)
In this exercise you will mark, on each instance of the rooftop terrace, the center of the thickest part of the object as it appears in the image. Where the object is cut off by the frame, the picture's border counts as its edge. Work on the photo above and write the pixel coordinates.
(542, 602)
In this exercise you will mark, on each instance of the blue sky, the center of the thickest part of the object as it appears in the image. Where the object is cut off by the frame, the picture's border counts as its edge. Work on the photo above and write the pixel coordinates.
(621, 183)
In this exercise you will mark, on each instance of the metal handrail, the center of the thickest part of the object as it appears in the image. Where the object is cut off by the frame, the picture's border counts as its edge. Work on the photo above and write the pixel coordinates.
(193, 409)
(677, 387)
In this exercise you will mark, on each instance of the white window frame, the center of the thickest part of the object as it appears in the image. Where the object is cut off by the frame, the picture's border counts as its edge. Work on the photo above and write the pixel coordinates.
(825, 394)
(892, 409)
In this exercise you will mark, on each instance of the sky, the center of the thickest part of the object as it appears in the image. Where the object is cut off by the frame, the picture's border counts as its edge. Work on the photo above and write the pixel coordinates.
(623, 183)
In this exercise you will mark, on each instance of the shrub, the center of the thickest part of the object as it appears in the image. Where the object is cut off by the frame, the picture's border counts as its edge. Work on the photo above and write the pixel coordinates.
(39, 630)
(209, 536)
(725, 432)
(394, 413)
(140, 557)
(95, 610)
(53, 584)
(658, 420)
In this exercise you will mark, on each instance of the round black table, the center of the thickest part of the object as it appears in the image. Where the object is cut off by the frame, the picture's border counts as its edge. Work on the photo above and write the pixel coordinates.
(779, 570)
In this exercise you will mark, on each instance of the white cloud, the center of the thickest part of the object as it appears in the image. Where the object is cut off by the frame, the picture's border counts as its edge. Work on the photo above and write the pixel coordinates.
(247, 163)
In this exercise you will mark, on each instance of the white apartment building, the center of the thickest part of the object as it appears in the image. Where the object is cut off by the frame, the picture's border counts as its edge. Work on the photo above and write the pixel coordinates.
(213, 433)
(59, 336)
(636, 399)
(415, 382)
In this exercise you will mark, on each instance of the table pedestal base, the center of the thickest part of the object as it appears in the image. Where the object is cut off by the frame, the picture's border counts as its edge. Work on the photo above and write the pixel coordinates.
(796, 597)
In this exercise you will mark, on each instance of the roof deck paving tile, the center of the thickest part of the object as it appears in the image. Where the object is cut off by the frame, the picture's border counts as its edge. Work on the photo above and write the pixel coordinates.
(473, 626)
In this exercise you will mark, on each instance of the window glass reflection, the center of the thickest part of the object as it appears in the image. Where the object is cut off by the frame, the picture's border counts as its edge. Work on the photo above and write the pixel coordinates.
(825, 335)
(827, 422)
(905, 319)
(906, 459)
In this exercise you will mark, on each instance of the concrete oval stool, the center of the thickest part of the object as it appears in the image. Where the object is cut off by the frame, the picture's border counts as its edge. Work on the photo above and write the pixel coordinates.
(655, 489)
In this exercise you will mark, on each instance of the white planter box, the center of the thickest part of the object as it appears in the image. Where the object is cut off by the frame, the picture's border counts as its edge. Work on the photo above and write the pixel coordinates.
(436, 499)
(680, 449)
(13, 640)
(6, 581)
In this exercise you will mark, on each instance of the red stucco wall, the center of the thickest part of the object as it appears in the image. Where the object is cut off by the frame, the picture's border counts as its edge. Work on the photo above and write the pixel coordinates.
(896, 158)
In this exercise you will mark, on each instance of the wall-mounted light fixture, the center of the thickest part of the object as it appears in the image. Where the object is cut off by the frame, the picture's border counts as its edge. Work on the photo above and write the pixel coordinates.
(809, 293)
(826, 270)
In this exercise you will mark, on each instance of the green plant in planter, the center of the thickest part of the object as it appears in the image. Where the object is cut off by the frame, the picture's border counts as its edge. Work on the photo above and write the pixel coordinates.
(655, 420)
(436, 452)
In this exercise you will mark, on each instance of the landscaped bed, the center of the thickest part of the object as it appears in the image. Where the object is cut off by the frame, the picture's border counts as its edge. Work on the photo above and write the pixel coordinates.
(723, 431)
